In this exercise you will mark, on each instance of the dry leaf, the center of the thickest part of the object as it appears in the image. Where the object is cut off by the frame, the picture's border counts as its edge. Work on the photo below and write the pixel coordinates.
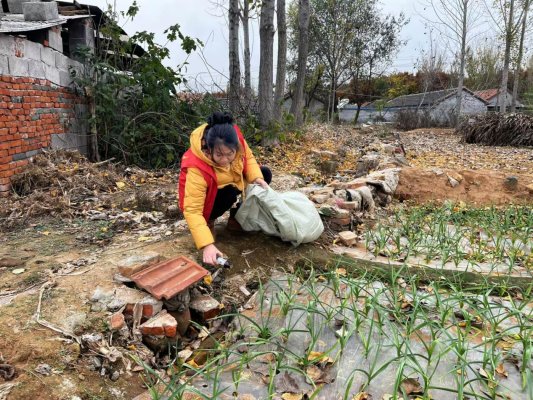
(500, 370)
(341, 271)
(362, 396)
(18, 271)
(314, 373)
(120, 184)
(143, 238)
(320, 357)
(411, 386)
(292, 396)
(208, 280)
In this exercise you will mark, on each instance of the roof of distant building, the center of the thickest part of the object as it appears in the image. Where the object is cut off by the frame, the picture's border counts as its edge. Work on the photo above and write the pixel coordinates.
(426, 99)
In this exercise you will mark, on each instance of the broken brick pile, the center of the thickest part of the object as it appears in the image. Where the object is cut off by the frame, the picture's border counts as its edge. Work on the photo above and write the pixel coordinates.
(168, 309)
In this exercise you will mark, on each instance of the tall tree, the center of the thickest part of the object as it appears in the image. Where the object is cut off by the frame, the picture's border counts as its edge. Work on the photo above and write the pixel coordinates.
(234, 64)
(282, 58)
(509, 37)
(526, 4)
(303, 35)
(455, 19)
(246, 39)
(266, 63)
(483, 67)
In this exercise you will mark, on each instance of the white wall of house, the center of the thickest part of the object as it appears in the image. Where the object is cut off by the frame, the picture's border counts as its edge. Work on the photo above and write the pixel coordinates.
(315, 107)
(470, 105)
(347, 114)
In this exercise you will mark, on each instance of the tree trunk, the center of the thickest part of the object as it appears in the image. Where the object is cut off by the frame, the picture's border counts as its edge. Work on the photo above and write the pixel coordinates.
(303, 31)
(234, 65)
(246, 38)
(502, 98)
(282, 59)
(460, 84)
(516, 79)
(266, 63)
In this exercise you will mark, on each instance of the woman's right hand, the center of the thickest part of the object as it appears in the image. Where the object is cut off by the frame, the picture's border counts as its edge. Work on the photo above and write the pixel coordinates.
(210, 254)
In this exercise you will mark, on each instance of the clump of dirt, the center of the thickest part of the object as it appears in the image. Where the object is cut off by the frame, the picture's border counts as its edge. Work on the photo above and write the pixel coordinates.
(472, 187)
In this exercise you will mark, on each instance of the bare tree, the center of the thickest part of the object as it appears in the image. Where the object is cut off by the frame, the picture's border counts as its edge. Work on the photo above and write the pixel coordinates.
(246, 38)
(281, 70)
(234, 64)
(509, 37)
(455, 19)
(303, 32)
(525, 10)
(266, 63)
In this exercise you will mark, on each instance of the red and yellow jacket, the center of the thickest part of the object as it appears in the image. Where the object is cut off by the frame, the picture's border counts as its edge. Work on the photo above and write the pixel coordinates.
(200, 178)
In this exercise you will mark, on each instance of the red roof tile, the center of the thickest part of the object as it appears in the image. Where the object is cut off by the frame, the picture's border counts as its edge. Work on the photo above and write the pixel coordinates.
(168, 278)
(487, 94)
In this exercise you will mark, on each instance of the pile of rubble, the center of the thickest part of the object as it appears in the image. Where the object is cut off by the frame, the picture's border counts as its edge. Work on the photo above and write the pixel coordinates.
(344, 202)
(64, 183)
(158, 311)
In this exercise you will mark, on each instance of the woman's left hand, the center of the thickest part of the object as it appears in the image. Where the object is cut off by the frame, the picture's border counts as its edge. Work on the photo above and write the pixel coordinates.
(261, 182)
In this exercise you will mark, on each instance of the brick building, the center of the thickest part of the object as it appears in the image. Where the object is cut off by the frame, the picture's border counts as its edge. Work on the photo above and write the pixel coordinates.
(39, 108)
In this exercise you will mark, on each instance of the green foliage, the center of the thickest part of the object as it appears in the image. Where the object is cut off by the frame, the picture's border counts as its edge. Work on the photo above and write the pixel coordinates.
(139, 116)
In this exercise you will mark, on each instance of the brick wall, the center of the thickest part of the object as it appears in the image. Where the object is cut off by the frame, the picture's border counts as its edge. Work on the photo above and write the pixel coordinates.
(31, 111)
(38, 109)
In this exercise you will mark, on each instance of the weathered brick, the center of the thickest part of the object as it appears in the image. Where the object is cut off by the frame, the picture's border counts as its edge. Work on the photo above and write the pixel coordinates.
(134, 263)
(204, 308)
(348, 238)
(163, 324)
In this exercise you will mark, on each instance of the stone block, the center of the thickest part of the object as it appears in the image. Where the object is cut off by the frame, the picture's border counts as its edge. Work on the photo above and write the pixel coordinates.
(511, 183)
(204, 308)
(7, 45)
(15, 6)
(48, 56)
(55, 41)
(36, 69)
(32, 50)
(341, 221)
(4, 65)
(348, 238)
(40, 11)
(163, 324)
(137, 262)
(65, 80)
(18, 66)
(52, 74)
(320, 198)
(61, 61)
(350, 205)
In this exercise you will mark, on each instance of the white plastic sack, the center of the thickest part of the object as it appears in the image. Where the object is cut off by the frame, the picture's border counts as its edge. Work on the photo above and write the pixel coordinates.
(289, 215)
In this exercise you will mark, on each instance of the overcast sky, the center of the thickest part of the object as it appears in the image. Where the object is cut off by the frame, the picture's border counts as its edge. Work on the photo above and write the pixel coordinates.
(202, 20)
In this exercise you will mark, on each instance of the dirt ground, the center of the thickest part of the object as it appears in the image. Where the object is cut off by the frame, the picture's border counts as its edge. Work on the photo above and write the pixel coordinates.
(79, 254)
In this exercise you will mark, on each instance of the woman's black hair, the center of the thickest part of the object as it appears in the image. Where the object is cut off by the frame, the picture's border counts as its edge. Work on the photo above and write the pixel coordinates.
(220, 131)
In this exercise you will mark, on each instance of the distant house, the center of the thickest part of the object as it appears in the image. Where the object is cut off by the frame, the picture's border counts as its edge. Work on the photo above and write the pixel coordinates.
(440, 104)
(314, 106)
(492, 97)
(367, 112)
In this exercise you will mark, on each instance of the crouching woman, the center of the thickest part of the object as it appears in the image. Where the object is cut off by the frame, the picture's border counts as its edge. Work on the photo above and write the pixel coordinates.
(214, 171)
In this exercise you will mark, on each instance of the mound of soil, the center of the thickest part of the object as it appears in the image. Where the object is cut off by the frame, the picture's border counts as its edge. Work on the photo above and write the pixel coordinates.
(481, 187)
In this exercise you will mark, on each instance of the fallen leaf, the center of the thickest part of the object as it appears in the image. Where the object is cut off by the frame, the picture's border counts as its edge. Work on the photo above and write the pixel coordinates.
(120, 184)
(362, 396)
(320, 357)
(341, 271)
(314, 373)
(143, 238)
(292, 396)
(500, 370)
(208, 280)
(411, 386)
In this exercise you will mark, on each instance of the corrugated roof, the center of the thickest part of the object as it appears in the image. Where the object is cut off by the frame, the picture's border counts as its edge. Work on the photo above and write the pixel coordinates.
(11, 23)
(168, 278)
(420, 99)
